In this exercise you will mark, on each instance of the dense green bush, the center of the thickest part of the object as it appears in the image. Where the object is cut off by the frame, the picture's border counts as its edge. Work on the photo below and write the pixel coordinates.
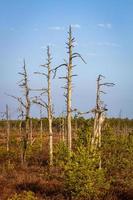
(83, 137)
(24, 196)
(83, 178)
(61, 154)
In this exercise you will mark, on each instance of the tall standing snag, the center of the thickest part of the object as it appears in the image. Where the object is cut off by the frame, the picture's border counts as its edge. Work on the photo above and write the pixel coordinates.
(48, 104)
(69, 67)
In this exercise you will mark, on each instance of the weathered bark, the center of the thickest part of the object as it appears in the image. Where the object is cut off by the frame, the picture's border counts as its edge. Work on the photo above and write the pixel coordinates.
(63, 129)
(69, 91)
(31, 132)
(25, 140)
(98, 119)
(50, 109)
(26, 91)
(20, 128)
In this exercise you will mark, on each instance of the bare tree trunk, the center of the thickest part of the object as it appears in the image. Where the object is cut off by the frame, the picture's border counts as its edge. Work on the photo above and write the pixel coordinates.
(20, 128)
(69, 97)
(50, 108)
(41, 134)
(47, 105)
(31, 132)
(25, 140)
(63, 129)
(21, 139)
(69, 66)
(26, 105)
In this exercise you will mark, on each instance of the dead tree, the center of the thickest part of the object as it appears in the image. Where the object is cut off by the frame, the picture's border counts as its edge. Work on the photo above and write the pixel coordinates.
(41, 128)
(99, 116)
(63, 129)
(47, 105)
(31, 132)
(25, 104)
(99, 113)
(69, 67)
(20, 117)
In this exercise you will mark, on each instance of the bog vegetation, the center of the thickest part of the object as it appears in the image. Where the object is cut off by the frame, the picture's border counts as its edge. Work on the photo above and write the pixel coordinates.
(67, 157)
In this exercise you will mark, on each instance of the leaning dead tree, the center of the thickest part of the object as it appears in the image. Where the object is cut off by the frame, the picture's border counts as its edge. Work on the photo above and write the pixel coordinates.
(99, 113)
(99, 116)
(47, 104)
(68, 87)
(24, 105)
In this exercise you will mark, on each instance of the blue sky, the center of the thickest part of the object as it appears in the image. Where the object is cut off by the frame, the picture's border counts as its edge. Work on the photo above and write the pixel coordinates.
(104, 36)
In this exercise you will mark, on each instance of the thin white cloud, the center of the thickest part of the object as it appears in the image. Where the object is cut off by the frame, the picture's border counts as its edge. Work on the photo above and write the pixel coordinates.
(75, 26)
(101, 25)
(109, 44)
(106, 26)
(56, 28)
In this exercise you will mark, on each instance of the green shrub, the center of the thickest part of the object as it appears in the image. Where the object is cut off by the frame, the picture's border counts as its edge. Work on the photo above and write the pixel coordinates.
(83, 179)
(117, 154)
(83, 137)
(24, 196)
(61, 154)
